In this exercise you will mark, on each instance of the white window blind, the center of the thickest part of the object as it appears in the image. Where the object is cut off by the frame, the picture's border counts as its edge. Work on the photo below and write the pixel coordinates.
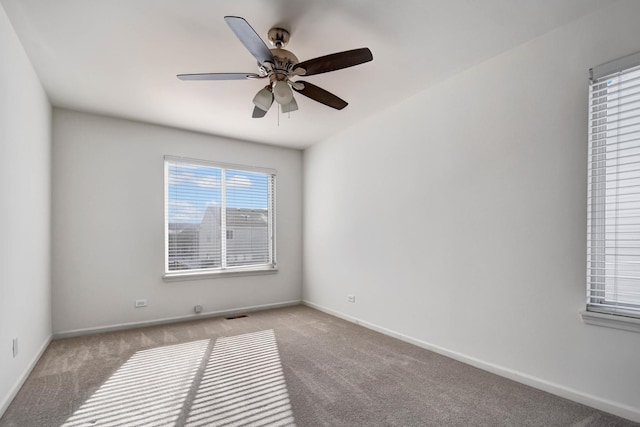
(217, 217)
(613, 236)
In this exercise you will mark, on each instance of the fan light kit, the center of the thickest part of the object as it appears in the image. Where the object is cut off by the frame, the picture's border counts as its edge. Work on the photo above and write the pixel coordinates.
(280, 66)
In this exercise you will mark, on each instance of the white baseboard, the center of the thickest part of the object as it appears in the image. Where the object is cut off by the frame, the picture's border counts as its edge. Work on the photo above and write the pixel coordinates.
(605, 405)
(16, 387)
(132, 325)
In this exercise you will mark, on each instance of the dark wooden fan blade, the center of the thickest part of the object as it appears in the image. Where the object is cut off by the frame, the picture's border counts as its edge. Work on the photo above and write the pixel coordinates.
(322, 96)
(218, 76)
(335, 61)
(258, 113)
(249, 38)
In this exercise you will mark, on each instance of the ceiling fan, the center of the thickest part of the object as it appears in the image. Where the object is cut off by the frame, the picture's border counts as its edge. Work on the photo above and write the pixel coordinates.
(280, 66)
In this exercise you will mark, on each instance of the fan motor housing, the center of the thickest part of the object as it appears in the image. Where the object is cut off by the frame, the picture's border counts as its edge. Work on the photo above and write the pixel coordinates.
(285, 60)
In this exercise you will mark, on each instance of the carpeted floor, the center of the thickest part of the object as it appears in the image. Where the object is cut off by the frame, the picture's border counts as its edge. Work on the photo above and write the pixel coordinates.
(290, 366)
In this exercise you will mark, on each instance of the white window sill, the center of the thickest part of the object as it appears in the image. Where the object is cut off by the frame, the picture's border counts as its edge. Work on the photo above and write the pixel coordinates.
(199, 275)
(611, 321)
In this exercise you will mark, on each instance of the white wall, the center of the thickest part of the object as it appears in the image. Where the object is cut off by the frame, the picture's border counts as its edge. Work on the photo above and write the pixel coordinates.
(458, 218)
(25, 213)
(108, 224)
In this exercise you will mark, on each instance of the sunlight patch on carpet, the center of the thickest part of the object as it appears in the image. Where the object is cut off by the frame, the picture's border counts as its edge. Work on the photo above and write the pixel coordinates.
(243, 384)
(148, 389)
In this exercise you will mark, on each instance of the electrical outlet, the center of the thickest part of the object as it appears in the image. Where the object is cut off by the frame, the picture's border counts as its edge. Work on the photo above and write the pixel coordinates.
(15, 348)
(351, 298)
(197, 309)
(141, 303)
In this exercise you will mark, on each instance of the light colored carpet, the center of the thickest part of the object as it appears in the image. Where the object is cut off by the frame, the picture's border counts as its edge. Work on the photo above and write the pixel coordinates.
(290, 366)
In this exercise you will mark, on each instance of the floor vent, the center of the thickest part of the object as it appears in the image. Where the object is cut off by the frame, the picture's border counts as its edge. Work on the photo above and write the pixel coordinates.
(239, 316)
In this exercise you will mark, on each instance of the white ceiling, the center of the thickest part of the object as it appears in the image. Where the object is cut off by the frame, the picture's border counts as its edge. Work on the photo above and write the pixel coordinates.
(120, 57)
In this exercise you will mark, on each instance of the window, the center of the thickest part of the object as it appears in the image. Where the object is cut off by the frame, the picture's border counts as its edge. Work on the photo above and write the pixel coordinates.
(218, 218)
(613, 236)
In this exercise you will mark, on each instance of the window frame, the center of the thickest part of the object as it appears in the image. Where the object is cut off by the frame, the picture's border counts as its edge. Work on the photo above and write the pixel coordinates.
(224, 270)
(597, 311)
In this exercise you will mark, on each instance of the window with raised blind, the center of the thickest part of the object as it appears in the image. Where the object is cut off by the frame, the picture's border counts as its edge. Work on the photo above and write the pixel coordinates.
(613, 236)
(218, 218)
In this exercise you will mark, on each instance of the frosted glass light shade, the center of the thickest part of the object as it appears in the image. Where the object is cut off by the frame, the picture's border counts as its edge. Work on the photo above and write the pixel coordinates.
(282, 92)
(263, 99)
(292, 106)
